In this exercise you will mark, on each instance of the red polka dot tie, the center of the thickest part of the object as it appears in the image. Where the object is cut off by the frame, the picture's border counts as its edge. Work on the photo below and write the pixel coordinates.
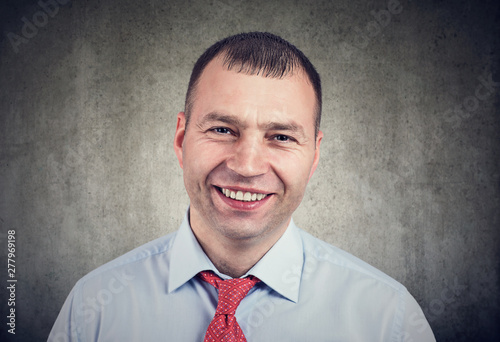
(224, 327)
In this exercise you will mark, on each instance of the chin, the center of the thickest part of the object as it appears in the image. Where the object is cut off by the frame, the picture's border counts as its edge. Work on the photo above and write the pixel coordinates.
(250, 229)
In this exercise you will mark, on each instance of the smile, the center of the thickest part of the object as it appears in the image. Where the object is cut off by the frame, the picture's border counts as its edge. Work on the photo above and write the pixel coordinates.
(242, 196)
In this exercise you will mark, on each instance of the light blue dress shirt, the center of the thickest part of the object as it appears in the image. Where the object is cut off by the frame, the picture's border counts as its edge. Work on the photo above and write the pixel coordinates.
(310, 291)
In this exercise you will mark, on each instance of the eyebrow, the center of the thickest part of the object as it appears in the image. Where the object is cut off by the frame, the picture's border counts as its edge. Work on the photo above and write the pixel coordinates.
(269, 126)
(289, 126)
(216, 116)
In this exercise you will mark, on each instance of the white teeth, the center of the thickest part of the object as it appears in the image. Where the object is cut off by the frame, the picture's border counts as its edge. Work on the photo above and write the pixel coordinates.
(243, 196)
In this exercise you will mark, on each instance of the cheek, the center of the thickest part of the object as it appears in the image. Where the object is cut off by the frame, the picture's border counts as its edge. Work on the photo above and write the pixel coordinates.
(200, 158)
(292, 169)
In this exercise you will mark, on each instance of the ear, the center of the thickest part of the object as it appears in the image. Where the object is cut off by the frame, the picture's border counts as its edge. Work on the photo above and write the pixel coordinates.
(179, 136)
(316, 153)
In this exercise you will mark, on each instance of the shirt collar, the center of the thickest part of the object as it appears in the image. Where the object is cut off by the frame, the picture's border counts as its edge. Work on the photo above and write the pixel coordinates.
(280, 268)
(187, 258)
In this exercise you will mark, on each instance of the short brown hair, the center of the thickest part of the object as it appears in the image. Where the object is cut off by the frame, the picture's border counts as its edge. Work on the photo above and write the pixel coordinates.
(256, 53)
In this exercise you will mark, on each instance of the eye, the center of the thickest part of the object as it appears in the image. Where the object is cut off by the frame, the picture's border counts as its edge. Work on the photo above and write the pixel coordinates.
(222, 130)
(282, 138)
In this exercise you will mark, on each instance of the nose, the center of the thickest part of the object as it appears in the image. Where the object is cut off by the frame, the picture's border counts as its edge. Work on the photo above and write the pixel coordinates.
(249, 158)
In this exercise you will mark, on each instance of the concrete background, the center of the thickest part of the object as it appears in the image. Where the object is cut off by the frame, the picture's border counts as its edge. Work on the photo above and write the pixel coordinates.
(409, 177)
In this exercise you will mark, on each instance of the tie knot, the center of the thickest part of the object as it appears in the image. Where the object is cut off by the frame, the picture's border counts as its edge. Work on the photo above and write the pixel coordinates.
(231, 291)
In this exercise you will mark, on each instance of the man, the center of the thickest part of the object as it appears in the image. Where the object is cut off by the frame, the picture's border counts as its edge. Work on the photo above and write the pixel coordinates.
(248, 143)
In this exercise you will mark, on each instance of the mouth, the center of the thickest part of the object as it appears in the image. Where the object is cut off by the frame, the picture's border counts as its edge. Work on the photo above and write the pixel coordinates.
(243, 196)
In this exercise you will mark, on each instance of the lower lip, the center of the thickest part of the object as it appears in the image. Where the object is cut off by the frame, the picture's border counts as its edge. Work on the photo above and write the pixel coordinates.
(240, 205)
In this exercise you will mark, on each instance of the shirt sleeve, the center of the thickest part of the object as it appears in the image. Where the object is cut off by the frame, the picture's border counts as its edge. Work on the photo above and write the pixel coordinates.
(65, 328)
(415, 325)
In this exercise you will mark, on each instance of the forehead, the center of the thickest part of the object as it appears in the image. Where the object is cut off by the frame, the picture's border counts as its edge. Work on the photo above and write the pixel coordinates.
(243, 95)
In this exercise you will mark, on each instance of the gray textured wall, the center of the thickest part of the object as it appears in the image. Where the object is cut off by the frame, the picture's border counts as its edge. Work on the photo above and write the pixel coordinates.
(409, 174)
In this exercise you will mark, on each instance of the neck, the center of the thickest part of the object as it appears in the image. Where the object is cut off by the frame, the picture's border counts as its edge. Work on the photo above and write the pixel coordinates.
(234, 257)
(230, 260)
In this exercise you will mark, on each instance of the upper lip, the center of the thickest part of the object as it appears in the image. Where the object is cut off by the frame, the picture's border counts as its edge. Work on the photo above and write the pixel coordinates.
(242, 189)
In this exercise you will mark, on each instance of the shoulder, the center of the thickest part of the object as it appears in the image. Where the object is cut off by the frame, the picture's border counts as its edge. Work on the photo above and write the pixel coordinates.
(112, 292)
(343, 265)
(133, 261)
(348, 290)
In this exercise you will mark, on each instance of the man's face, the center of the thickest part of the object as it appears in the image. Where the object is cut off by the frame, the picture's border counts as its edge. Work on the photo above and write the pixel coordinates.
(248, 152)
